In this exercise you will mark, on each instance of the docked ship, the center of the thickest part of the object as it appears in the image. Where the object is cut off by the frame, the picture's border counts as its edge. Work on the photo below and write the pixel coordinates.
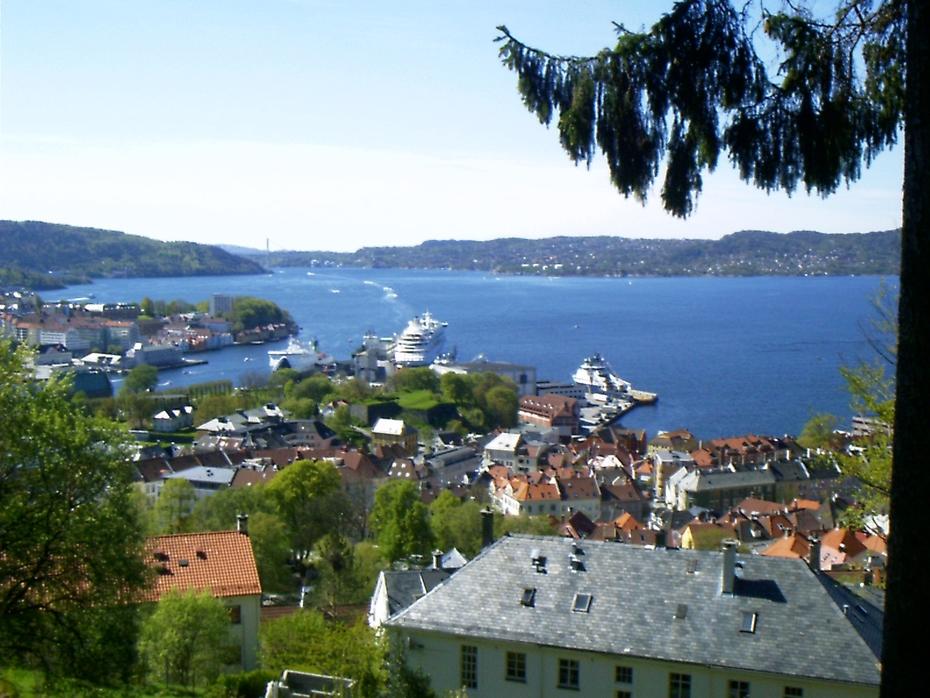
(600, 384)
(420, 342)
(300, 357)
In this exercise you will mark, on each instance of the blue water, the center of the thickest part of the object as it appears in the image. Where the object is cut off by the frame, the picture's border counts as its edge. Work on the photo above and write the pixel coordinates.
(726, 355)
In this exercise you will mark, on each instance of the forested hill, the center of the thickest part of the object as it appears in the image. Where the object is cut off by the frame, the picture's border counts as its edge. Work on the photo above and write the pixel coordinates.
(29, 250)
(746, 253)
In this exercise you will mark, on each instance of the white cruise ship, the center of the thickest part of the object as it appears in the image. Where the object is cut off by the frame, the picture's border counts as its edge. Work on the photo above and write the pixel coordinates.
(599, 381)
(420, 342)
(299, 356)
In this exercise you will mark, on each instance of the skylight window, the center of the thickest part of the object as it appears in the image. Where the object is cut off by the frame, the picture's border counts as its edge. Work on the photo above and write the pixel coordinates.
(748, 623)
(529, 597)
(681, 611)
(582, 603)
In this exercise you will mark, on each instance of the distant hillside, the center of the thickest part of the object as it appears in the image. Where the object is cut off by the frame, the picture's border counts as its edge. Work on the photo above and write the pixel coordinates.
(47, 255)
(746, 253)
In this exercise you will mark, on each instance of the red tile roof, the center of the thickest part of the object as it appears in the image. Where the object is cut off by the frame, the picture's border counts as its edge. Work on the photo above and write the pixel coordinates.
(220, 561)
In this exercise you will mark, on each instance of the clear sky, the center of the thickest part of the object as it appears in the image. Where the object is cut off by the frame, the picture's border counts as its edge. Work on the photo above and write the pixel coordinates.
(332, 125)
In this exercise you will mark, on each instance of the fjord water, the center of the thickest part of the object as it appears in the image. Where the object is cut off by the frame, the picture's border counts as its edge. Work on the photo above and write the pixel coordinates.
(726, 355)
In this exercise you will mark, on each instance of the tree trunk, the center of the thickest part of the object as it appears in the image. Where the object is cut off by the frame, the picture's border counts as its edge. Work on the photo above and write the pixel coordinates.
(904, 654)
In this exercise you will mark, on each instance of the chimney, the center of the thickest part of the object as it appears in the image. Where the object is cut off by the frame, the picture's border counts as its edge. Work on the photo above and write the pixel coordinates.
(814, 557)
(242, 524)
(487, 527)
(437, 559)
(729, 566)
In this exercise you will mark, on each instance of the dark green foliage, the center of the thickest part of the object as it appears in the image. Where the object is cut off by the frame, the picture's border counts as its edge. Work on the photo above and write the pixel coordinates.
(36, 247)
(141, 379)
(456, 524)
(693, 86)
(400, 521)
(413, 379)
(485, 400)
(19, 278)
(308, 497)
(70, 534)
(249, 312)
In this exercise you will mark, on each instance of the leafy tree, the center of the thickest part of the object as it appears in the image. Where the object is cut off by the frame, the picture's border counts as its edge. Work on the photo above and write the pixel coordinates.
(818, 432)
(455, 388)
(301, 408)
(308, 497)
(873, 396)
(535, 525)
(249, 312)
(400, 521)
(135, 408)
(211, 406)
(315, 388)
(70, 536)
(344, 425)
(184, 640)
(693, 85)
(271, 543)
(141, 378)
(415, 378)
(271, 539)
(336, 568)
(456, 524)
(147, 307)
(174, 507)
(501, 406)
(352, 390)
(305, 641)
(369, 561)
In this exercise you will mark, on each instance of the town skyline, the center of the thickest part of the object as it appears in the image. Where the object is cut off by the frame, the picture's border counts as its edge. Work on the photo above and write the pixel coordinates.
(321, 127)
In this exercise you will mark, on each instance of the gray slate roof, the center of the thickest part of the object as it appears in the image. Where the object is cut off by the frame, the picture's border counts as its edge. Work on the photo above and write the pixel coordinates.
(800, 630)
(403, 587)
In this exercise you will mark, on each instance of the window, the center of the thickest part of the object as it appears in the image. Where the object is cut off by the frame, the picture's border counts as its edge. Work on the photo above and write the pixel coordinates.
(582, 603)
(529, 597)
(469, 666)
(793, 692)
(739, 689)
(624, 694)
(679, 686)
(748, 624)
(516, 667)
(623, 674)
(568, 674)
(235, 614)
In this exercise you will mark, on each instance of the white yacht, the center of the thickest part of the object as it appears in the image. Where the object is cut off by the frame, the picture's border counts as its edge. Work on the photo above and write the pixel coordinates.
(299, 356)
(420, 342)
(599, 381)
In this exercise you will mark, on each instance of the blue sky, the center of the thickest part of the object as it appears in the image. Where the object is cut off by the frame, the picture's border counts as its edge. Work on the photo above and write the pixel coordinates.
(332, 125)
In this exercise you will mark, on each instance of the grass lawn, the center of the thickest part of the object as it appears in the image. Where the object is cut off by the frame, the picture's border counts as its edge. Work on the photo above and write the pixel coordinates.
(418, 400)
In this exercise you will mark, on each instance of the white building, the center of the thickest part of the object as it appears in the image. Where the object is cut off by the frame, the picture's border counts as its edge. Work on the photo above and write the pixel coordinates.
(539, 616)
